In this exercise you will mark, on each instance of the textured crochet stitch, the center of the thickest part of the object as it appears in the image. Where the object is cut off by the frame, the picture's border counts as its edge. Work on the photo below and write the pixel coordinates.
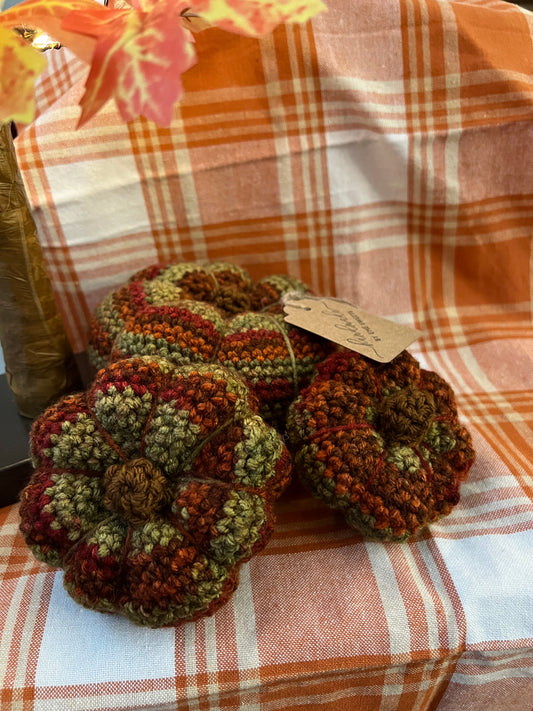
(380, 442)
(157, 288)
(152, 488)
(150, 316)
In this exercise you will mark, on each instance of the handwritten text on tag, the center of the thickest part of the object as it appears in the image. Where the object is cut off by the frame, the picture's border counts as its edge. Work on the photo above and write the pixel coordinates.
(350, 326)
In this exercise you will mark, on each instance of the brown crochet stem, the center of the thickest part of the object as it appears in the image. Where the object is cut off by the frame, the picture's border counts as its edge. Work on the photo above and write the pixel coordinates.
(219, 292)
(136, 490)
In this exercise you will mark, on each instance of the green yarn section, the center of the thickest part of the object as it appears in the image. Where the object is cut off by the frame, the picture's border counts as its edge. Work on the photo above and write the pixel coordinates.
(81, 446)
(163, 364)
(108, 316)
(285, 284)
(176, 272)
(109, 536)
(255, 371)
(439, 439)
(123, 414)
(215, 267)
(306, 462)
(96, 359)
(161, 292)
(257, 452)
(404, 458)
(240, 528)
(154, 533)
(170, 438)
(50, 557)
(129, 344)
(251, 321)
(74, 503)
(297, 423)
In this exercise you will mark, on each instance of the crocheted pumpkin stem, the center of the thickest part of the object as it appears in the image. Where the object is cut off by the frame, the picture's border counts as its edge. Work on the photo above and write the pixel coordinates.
(405, 416)
(135, 490)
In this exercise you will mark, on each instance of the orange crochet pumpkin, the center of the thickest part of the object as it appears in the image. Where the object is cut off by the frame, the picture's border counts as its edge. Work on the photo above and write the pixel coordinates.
(380, 442)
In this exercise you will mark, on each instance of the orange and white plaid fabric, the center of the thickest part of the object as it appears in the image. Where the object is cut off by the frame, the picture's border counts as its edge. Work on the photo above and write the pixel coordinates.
(383, 153)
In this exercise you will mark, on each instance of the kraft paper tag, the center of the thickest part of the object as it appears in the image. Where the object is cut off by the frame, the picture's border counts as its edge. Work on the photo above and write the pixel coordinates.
(349, 326)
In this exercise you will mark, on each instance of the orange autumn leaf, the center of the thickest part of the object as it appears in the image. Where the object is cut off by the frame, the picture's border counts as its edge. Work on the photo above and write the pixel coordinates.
(138, 49)
(47, 15)
(251, 17)
(20, 65)
(138, 59)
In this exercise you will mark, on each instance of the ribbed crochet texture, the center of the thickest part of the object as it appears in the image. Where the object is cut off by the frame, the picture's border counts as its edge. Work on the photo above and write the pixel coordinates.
(156, 314)
(152, 488)
(381, 443)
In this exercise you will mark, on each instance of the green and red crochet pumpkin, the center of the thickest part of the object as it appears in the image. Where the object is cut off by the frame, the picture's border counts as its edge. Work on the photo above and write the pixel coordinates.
(160, 312)
(152, 488)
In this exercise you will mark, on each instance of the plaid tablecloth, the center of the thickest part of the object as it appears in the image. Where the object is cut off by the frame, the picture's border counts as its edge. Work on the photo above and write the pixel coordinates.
(382, 153)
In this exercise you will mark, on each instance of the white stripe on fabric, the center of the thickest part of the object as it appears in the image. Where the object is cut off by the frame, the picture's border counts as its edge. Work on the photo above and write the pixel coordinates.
(373, 244)
(452, 626)
(430, 615)
(79, 699)
(190, 666)
(391, 597)
(117, 649)
(245, 630)
(497, 605)
(480, 679)
(211, 658)
(468, 531)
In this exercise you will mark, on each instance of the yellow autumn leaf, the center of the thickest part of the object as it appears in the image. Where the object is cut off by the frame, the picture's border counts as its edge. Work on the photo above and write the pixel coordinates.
(47, 16)
(20, 65)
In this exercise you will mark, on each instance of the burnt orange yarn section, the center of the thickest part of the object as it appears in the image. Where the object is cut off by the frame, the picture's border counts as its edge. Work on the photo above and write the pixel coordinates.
(380, 442)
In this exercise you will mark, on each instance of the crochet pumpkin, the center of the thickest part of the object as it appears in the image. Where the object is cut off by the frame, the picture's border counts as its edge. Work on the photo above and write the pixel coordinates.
(157, 289)
(274, 358)
(381, 443)
(151, 489)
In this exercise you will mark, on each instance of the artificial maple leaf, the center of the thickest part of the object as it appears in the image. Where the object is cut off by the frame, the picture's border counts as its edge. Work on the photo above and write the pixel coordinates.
(20, 65)
(251, 17)
(138, 59)
(47, 15)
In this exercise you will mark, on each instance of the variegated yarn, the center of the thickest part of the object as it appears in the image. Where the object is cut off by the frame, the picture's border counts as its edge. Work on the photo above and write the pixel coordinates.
(150, 316)
(380, 442)
(151, 489)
